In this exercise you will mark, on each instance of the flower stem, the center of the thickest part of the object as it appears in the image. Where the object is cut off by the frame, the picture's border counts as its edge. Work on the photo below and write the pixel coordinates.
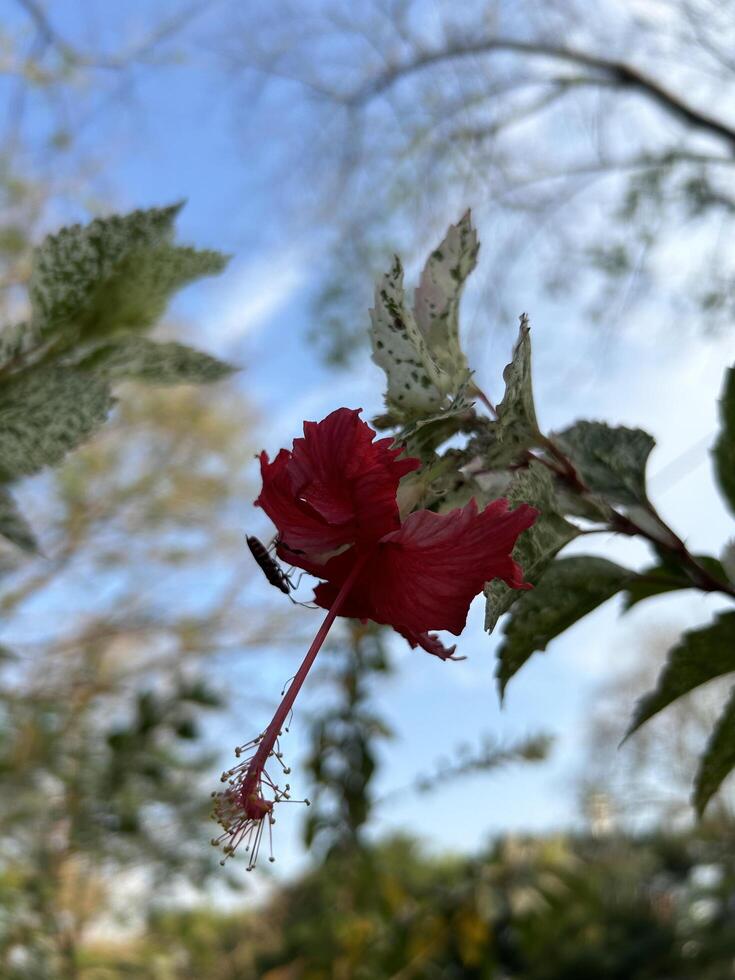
(274, 729)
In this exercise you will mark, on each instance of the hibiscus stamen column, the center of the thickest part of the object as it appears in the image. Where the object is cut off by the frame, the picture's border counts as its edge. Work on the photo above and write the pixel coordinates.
(242, 809)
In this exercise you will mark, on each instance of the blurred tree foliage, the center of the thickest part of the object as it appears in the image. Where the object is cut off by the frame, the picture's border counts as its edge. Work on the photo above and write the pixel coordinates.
(343, 743)
(553, 908)
(647, 780)
(585, 136)
(107, 676)
(345, 738)
(106, 682)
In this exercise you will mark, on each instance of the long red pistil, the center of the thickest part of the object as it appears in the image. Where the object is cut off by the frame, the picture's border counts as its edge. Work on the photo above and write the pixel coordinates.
(251, 783)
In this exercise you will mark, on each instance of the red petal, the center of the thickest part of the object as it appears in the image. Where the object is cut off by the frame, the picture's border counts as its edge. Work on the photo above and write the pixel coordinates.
(432, 644)
(424, 576)
(432, 568)
(337, 487)
(297, 523)
(322, 460)
(335, 571)
(348, 478)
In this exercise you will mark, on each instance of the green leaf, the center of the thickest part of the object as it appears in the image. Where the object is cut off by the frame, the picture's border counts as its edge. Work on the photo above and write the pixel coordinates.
(115, 273)
(13, 526)
(537, 546)
(568, 590)
(422, 436)
(610, 460)
(438, 485)
(724, 450)
(667, 577)
(654, 581)
(44, 413)
(718, 760)
(416, 384)
(700, 656)
(516, 428)
(141, 359)
(437, 298)
(728, 560)
(69, 267)
(137, 294)
(198, 693)
(589, 506)
(15, 341)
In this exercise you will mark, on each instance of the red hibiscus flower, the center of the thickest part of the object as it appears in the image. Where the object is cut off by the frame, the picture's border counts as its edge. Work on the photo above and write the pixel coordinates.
(332, 499)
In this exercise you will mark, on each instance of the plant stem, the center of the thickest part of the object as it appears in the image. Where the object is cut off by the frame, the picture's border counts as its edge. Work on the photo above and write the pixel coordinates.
(699, 575)
(623, 524)
(274, 728)
(479, 393)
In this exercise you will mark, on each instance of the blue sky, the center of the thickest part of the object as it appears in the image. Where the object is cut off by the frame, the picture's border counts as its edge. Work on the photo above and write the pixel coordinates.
(181, 136)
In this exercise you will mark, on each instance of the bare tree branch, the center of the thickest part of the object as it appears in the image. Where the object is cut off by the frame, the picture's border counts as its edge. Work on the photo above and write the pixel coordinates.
(163, 32)
(611, 72)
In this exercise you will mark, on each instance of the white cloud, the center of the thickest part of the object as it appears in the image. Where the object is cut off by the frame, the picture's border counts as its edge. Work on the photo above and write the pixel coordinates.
(257, 291)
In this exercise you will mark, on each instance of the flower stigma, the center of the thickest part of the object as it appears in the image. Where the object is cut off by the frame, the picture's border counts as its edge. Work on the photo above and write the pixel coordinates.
(245, 809)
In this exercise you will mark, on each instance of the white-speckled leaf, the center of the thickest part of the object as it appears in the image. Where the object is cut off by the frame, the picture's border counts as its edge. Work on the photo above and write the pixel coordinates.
(136, 295)
(46, 412)
(16, 340)
(168, 363)
(506, 439)
(416, 385)
(70, 265)
(437, 297)
(114, 274)
(422, 436)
